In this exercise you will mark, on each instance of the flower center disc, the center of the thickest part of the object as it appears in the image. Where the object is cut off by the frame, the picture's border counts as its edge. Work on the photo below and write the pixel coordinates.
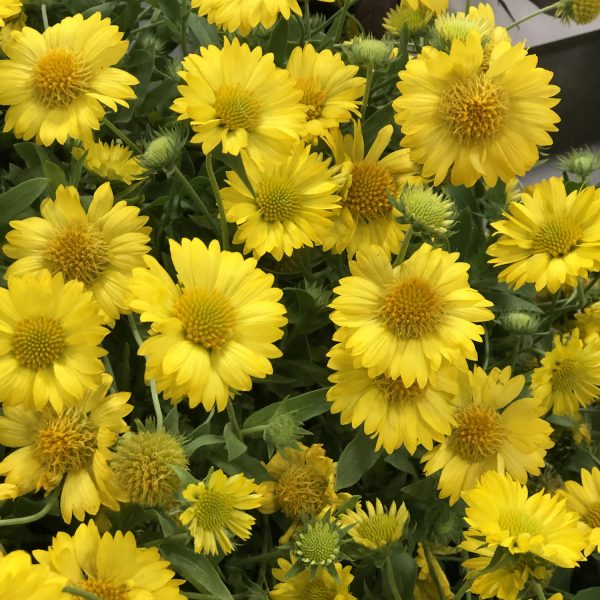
(314, 97)
(105, 589)
(516, 523)
(320, 545)
(277, 200)
(38, 342)
(59, 78)
(592, 516)
(474, 109)
(317, 590)
(79, 252)
(378, 529)
(411, 308)
(207, 317)
(301, 491)
(212, 510)
(367, 197)
(237, 108)
(479, 433)
(556, 237)
(396, 392)
(66, 441)
(566, 375)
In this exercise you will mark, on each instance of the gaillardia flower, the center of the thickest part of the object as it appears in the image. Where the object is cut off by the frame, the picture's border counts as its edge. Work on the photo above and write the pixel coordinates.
(216, 510)
(401, 15)
(8, 9)
(110, 566)
(426, 586)
(56, 82)
(436, 6)
(214, 329)
(238, 98)
(72, 444)
(49, 341)
(289, 203)
(493, 432)
(112, 162)
(98, 247)
(472, 117)
(409, 320)
(549, 238)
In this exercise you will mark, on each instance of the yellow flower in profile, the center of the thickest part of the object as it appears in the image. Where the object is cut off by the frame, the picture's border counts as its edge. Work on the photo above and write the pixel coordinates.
(588, 323)
(110, 566)
(378, 526)
(390, 412)
(49, 342)
(21, 580)
(367, 216)
(330, 89)
(70, 445)
(13, 24)
(472, 117)
(494, 432)
(113, 162)
(216, 511)
(237, 98)
(409, 320)
(501, 514)
(56, 82)
(214, 329)
(584, 499)
(549, 238)
(436, 6)
(99, 246)
(425, 586)
(321, 584)
(8, 9)
(403, 15)
(282, 204)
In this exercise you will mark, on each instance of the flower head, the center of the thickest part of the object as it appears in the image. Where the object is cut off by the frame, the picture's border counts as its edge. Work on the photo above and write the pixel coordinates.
(318, 543)
(579, 11)
(56, 82)
(427, 211)
(581, 162)
(367, 51)
(113, 162)
(426, 586)
(402, 15)
(9, 9)
(436, 6)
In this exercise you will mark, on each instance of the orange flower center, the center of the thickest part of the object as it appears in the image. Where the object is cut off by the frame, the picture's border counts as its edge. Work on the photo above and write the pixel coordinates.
(105, 589)
(301, 491)
(396, 392)
(367, 197)
(556, 237)
(237, 108)
(479, 433)
(38, 342)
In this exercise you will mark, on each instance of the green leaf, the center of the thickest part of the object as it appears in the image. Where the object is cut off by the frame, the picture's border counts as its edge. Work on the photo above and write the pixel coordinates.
(17, 199)
(400, 460)
(278, 42)
(589, 594)
(196, 569)
(235, 446)
(205, 33)
(356, 459)
(405, 573)
(171, 421)
(55, 176)
(505, 302)
(201, 441)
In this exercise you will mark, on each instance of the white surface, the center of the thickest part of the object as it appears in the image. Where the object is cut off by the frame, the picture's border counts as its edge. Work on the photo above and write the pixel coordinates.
(539, 30)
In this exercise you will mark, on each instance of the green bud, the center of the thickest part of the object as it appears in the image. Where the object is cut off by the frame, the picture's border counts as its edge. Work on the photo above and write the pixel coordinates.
(150, 41)
(450, 27)
(581, 162)
(400, 17)
(164, 150)
(370, 52)
(520, 321)
(578, 11)
(318, 543)
(427, 211)
(283, 431)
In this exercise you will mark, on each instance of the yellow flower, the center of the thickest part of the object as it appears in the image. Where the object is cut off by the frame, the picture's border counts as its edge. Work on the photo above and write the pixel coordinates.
(493, 431)
(588, 323)
(216, 511)
(436, 6)
(70, 445)
(584, 499)
(330, 88)
(425, 586)
(98, 247)
(409, 320)
(367, 216)
(548, 239)
(49, 341)
(113, 162)
(8, 9)
(14, 24)
(110, 566)
(305, 585)
(55, 82)
(378, 527)
(579, 11)
(403, 15)
(214, 329)
(238, 98)
(389, 411)
(477, 122)
(20, 580)
(284, 205)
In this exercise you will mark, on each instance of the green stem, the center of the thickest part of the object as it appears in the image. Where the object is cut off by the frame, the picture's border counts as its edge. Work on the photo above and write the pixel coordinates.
(122, 135)
(429, 558)
(534, 14)
(467, 6)
(539, 591)
(462, 590)
(594, 458)
(251, 430)
(134, 330)
(515, 352)
(405, 243)
(389, 573)
(581, 298)
(70, 589)
(307, 19)
(552, 311)
(108, 368)
(45, 17)
(217, 194)
(233, 420)
(340, 20)
(368, 84)
(156, 404)
(48, 506)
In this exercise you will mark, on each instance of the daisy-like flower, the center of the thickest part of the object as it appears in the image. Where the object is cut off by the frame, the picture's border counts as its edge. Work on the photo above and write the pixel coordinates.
(237, 98)
(403, 15)
(390, 412)
(70, 445)
(110, 566)
(500, 513)
(588, 323)
(113, 161)
(376, 527)
(330, 89)
(427, 582)
(584, 499)
(19, 579)
(214, 329)
(409, 320)
(98, 247)
(49, 340)
(549, 238)
(216, 511)
(305, 585)
(284, 205)
(367, 216)
(475, 117)
(493, 432)
(8, 9)
(436, 6)
(56, 82)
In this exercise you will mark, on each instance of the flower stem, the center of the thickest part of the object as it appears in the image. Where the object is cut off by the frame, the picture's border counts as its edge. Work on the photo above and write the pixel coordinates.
(429, 558)
(341, 18)
(217, 195)
(405, 243)
(533, 14)
(156, 404)
(108, 368)
(467, 6)
(581, 294)
(368, 84)
(307, 19)
(134, 330)
(539, 591)
(463, 590)
(389, 573)
(48, 506)
(122, 135)
(233, 420)
(45, 17)
(70, 589)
